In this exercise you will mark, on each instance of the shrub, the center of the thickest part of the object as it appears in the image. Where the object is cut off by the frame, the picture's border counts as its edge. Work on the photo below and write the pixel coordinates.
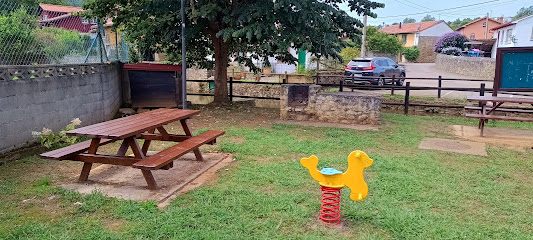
(411, 53)
(451, 51)
(349, 53)
(382, 42)
(52, 140)
(450, 40)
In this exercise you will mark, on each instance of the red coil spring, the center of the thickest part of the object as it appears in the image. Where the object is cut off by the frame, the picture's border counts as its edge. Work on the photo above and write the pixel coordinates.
(331, 205)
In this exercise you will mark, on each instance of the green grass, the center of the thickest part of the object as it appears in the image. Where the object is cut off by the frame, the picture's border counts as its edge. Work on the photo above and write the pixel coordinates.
(267, 194)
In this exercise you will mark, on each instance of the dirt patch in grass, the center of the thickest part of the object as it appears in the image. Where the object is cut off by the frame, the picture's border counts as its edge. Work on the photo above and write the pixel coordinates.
(113, 224)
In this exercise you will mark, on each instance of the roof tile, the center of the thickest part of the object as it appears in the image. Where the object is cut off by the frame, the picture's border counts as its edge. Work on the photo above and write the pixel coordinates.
(409, 27)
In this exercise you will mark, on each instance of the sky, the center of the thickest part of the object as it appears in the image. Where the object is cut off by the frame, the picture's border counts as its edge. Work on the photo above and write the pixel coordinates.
(397, 10)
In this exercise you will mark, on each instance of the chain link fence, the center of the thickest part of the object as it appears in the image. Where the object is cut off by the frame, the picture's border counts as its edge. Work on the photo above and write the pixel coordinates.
(53, 34)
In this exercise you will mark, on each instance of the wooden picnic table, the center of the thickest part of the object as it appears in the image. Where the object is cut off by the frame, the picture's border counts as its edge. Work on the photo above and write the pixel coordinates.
(484, 112)
(129, 130)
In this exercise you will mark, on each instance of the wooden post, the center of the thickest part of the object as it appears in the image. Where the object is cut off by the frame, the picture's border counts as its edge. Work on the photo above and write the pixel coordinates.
(406, 101)
(393, 84)
(440, 86)
(353, 81)
(286, 76)
(284, 80)
(482, 90)
(231, 89)
(340, 85)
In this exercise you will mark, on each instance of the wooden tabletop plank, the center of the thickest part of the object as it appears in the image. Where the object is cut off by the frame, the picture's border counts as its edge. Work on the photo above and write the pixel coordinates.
(123, 133)
(132, 125)
(132, 121)
(108, 124)
(500, 99)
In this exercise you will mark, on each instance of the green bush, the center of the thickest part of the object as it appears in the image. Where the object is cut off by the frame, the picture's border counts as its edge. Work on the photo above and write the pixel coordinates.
(382, 42)
(411, 53)
(349, 53)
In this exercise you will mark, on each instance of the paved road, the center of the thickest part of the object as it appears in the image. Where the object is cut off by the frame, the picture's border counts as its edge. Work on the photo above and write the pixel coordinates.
(421, 70)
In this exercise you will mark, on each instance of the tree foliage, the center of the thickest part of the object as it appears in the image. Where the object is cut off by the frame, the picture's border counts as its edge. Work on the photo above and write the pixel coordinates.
(409, 20)
(453, 39)
(23, 42)
(460, 22)
(220, 27)
(523, 12)
(349, 53)
(428, 18)
(382, 42)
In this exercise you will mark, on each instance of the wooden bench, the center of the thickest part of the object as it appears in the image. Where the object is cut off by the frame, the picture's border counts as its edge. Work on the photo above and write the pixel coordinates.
(496, 117)
(515, 110)
(72, 150)
(165, 157)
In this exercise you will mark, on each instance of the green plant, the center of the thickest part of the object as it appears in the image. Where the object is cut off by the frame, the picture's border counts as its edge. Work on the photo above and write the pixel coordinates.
(266, 63)
(134, 55)
(382, 42)
(411, 53)
(349, 53)
(52, 140)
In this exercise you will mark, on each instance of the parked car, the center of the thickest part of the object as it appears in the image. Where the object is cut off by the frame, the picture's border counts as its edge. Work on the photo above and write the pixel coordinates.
(376, 71)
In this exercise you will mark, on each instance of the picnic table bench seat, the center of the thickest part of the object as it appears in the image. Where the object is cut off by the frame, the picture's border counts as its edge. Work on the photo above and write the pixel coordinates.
(497, 117)
(515, 110)
(165, 157)
(72, 150)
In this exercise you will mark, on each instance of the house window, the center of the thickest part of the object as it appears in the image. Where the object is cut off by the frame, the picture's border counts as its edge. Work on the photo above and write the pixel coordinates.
(94, 21)
(485, 24)
(502, 34)
(472, 36)
(84, 21)
(404, 38)
(509, 38)
(45, 17)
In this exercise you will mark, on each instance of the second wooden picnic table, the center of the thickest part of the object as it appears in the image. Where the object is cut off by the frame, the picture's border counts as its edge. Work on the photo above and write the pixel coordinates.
(129, 130)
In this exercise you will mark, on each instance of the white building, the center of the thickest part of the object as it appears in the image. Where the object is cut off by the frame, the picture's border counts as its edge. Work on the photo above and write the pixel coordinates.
(517, 33)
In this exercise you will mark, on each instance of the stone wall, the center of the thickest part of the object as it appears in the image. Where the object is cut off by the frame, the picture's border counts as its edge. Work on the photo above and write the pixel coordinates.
(425, 45)
(33, 97)
(335, 107)
(478, 67)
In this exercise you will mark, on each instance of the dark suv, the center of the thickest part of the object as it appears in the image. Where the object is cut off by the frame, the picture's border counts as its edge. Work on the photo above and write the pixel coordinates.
(376, 71)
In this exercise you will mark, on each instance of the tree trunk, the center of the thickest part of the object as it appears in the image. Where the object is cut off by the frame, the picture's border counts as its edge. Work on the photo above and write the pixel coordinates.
(221, 69)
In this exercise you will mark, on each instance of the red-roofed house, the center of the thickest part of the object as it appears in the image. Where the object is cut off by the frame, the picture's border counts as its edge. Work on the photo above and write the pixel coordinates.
(480, 29)
(422, 34)
(64, 17)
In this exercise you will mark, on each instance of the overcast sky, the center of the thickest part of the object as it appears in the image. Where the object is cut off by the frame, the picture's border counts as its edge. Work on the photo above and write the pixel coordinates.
(395, 10)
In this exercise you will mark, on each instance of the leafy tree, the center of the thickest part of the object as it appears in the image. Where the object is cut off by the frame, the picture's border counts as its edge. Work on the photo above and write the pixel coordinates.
(428, 18)
(18, 44)
(409, 20)
(382, 42)
(459, 23)
(58, 42)
(220, 27)
(349, 53)
(523, 12)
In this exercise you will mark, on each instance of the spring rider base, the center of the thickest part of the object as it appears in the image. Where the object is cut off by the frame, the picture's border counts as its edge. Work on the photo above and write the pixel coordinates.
(332, 181)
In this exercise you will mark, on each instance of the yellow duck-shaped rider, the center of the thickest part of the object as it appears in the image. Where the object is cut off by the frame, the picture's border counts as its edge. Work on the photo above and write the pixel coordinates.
(352, 178)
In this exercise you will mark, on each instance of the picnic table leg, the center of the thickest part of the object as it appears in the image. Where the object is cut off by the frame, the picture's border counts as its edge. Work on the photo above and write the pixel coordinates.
(95, 142)
(188, 132)
(137, 151)
(123, 148)
(146, 144)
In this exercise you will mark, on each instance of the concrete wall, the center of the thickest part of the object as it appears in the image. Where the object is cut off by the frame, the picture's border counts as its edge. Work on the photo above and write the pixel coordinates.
(468, 66)
(51, 96)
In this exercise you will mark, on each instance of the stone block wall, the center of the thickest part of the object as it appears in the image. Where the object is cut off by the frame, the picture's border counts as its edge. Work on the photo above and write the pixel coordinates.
(348, 108)
(33, 97)
(478, 67)
(425, 45)
(334, 107)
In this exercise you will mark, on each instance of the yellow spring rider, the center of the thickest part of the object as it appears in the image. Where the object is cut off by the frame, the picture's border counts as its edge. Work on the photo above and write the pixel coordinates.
(332, 181)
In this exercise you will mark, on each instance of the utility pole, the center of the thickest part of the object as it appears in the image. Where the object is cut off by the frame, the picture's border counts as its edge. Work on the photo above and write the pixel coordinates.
(183, 59)
(487, 27)
(363, 48)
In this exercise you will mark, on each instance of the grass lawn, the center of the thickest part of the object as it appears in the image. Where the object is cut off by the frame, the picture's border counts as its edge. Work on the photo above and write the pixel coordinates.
(267, 194)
